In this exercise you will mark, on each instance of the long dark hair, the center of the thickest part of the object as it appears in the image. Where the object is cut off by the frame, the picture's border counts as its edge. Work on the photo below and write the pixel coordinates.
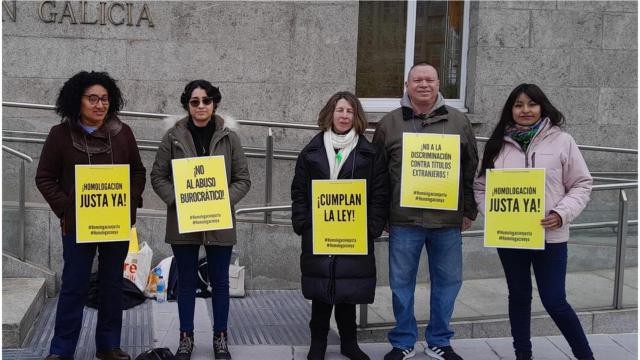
(68, 102)
(494, 145)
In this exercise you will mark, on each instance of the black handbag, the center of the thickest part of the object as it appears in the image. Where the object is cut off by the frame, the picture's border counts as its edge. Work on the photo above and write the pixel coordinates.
(156, 354)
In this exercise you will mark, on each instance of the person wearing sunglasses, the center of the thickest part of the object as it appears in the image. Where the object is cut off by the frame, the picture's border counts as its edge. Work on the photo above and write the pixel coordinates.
(90, 134)
(201, 133)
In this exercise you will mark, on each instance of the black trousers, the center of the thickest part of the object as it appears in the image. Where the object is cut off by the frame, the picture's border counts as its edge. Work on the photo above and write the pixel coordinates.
(345, 318)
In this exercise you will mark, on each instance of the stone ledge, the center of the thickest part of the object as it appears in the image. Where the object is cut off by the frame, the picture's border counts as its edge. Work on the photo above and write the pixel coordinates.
(22, 300)
(593, 322)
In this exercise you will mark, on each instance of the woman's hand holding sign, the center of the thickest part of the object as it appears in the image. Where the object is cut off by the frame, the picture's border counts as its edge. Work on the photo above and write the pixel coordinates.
(552, 221)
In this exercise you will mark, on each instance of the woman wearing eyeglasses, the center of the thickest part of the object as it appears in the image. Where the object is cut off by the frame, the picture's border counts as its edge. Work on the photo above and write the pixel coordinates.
(201, 133)
(90, 133)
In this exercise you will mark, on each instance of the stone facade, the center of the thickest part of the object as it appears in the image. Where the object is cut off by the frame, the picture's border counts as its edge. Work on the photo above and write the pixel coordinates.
(280, 61)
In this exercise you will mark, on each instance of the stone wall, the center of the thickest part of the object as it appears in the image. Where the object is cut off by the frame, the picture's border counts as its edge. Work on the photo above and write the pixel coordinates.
(273, 61)
(583, 54)
(280, 61)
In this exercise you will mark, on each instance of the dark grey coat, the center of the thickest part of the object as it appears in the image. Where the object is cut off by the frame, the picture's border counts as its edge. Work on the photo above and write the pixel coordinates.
(177, 143)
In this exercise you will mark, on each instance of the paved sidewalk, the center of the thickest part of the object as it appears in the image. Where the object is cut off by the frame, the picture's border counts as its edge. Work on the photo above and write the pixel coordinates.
(607, 347)
(166, 324)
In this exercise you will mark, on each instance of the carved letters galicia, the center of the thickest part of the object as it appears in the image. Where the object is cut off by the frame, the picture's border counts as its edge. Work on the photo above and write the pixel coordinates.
(88, 12)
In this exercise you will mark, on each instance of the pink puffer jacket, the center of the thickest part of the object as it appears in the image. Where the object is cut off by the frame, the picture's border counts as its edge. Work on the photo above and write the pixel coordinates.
(568, 181)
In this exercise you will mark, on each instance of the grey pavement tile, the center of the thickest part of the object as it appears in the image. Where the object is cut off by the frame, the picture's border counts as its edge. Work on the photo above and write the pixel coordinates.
(630, 275)
(602, 345)
(628, 341)
(262, 352)
(488, 297)
(372, 316)
(477, 349)
(587, 290)
(543, 349)
(501, 346)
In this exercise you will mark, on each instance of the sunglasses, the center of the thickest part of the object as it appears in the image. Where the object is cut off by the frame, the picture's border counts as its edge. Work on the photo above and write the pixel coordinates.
(205, 100)
(93, 99)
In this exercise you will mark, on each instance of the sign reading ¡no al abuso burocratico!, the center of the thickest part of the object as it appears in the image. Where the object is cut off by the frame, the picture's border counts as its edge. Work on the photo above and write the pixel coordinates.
(102, 203)
(339, 217)
(514, 206)
(202, 194)
(430, 171)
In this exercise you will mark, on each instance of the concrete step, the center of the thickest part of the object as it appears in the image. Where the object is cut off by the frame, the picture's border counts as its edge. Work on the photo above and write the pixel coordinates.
(22, 300)
(13, 267)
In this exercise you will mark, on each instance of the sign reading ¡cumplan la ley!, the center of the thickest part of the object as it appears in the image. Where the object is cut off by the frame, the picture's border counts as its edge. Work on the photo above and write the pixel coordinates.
(514, 206)
(430, 171)
(339, 212)
(102, 203)
(202, 194)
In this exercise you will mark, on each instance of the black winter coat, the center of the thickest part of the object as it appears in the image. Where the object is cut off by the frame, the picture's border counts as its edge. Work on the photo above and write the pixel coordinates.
(339, 278)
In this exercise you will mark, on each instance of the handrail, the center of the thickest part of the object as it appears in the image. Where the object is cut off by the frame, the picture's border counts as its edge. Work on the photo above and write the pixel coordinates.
(17, 153)
(260, 209)
(284, 125)
(52, 107)
(627, 185)
(22, 210)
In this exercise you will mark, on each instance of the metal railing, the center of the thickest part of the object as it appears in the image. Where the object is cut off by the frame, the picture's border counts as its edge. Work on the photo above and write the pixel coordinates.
(621, 225)
(269, 153)
(22, 212)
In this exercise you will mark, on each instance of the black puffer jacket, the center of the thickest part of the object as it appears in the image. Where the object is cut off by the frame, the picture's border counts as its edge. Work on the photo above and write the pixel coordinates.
(342, 278)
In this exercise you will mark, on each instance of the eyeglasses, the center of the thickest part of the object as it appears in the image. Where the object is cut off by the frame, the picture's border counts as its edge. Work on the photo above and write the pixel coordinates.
(205, 100)
(93, 99)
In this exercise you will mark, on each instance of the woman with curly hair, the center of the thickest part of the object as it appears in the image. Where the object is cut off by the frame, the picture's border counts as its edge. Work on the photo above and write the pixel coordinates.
(90, 133)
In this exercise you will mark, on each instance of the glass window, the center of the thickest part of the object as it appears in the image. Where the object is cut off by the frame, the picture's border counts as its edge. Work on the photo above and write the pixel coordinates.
(381, 48)
(392, 36)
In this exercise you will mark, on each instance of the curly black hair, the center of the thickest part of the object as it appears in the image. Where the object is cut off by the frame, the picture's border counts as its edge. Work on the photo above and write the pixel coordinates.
(68, 102)
(212, 91)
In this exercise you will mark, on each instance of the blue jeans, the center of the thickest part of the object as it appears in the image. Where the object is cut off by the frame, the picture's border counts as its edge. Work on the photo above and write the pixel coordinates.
(218, 258)
(444, 252)
(78, 259)
(550, 268)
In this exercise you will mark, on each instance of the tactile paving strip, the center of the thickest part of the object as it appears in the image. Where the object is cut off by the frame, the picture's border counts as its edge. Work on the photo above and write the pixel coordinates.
(137, 328)
(271, 317)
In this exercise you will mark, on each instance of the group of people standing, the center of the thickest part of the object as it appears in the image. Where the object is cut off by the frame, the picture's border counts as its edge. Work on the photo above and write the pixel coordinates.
(528, 134)
(91, 134)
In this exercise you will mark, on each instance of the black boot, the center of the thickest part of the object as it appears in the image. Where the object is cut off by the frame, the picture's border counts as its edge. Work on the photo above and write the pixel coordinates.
(318, 345)
(346, 321)
(185, 348)
(351, 350)
(220, 347)
(524, 355)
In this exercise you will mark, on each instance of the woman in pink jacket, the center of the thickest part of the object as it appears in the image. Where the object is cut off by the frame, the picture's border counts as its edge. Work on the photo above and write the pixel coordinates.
(529, 135)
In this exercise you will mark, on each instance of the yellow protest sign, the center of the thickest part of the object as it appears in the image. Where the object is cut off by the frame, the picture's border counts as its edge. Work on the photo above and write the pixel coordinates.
(514, 206)
(102, 203)
(202, 194)
(134, 247)
(339, 217)
(430, 171)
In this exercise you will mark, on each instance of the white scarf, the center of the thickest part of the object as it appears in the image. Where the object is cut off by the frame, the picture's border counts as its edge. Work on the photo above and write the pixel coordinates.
(345, 143)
